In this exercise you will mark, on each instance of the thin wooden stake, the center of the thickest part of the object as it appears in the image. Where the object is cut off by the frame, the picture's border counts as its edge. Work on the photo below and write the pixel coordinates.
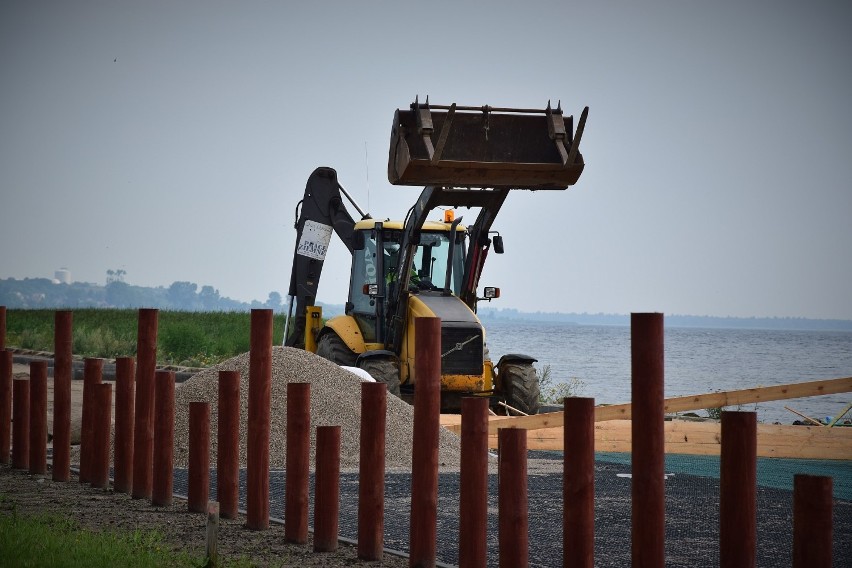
(212, 534)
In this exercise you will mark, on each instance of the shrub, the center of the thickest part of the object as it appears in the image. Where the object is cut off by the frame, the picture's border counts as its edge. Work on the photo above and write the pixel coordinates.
(553, 391)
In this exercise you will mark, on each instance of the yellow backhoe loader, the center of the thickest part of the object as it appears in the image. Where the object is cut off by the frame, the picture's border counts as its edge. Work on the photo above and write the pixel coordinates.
(468, 157)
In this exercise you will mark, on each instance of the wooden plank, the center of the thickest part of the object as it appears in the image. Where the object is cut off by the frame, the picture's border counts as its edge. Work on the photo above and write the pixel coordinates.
(704, 438)
(808, 418)
(684, 403)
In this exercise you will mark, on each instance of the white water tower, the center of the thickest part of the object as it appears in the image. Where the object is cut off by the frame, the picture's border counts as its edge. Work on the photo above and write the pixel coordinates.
(62, 276)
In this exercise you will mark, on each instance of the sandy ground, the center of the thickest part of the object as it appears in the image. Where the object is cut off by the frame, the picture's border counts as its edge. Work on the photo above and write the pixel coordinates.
(23, 371)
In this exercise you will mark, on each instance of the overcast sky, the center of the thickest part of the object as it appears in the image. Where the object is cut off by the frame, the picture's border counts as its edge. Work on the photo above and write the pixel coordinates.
(174, 139)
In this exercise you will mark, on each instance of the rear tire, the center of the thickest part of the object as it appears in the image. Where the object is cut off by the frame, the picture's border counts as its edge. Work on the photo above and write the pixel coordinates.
(384, 370)
(331, 347)
(520, 387)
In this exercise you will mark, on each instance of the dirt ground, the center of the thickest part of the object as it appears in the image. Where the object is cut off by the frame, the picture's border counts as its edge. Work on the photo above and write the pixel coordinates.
(105, 510)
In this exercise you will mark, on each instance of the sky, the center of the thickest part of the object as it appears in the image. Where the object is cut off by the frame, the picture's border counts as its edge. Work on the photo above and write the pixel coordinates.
(173, 140)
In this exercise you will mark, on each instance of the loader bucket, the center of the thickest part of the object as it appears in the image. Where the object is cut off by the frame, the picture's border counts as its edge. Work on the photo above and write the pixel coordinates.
(485, 147)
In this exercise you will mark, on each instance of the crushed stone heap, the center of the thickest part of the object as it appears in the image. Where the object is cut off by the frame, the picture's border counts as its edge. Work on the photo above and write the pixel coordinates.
(335, 401)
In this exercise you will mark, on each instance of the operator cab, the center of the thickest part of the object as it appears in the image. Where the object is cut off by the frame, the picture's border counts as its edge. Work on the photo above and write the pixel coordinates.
(428, 272)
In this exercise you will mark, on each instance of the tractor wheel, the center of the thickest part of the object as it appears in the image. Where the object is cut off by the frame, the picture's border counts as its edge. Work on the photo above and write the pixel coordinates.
(331, 347)
(384, 370)
(520, 386)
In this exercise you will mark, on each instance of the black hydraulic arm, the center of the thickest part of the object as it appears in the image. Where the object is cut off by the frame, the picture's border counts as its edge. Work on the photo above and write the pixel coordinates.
(431, 197)
(320, 212)
(479, 245)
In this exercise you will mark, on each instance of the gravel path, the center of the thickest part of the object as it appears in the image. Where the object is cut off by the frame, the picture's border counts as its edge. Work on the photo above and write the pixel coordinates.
(692, 516)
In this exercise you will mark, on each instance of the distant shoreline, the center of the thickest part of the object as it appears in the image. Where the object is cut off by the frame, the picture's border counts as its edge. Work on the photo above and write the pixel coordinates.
(706, 322)
(43, 293)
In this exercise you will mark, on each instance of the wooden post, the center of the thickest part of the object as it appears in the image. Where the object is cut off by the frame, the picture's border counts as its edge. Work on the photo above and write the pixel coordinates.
(101, 438)
(648, 461)
(62, 371)
(5, 405)
(298, 462)
(513, 507)
(38, 417)
(125, 373)
(578, 483)
(260, 388)
(21, 424)
(427, 425)
(813, 521)
(164, 439)
(327, 489)
(371, 471)
(212, 534)
(738, 490)
(228, 445)
(143, 426)
(92, 376)
(2, 328)
(473, 483)
(198, 474)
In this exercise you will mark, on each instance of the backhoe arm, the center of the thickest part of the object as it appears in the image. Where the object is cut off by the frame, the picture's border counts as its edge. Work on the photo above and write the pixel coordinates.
(320, 212)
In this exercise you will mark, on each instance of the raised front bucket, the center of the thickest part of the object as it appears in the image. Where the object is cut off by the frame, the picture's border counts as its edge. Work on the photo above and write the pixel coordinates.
(485, 147)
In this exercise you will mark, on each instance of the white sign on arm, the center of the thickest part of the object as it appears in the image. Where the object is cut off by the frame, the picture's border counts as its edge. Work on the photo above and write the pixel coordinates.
(314, 241)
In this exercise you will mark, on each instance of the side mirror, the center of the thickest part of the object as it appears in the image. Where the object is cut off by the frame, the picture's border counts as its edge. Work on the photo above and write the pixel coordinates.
(498, 244)
(491, 293)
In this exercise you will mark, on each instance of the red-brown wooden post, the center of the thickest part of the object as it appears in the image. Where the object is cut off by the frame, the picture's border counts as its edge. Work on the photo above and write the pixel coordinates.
(21, 424)
(101, 438)
(512, 503)
(259, 401)
(648, 457)
(143, 426)
(228, 445)
(298, 463)
(813, 521)
(371, 471)
(164, 438)
(5, 391)
(5, 405)
(327, 489)
(578, 483)
(427, 425)
(38, 417)
(738, 490)
(92, 376)
(125, 373)
(473, 483)
(198, 473)
(62, 372)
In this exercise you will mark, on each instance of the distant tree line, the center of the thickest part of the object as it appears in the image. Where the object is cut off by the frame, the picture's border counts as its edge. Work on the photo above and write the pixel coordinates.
(33, 293)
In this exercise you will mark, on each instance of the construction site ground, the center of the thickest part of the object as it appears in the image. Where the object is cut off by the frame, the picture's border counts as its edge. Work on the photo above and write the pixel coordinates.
(692, 509)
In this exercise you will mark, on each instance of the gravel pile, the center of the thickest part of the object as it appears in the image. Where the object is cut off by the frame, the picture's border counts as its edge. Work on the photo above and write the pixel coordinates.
(335, 400)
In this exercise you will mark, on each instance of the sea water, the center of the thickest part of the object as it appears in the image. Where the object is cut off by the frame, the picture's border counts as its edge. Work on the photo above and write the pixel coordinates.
(697, 361)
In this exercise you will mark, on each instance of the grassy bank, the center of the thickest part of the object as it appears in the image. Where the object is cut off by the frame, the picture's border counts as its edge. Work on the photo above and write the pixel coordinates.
(195, 339)
(54, 540)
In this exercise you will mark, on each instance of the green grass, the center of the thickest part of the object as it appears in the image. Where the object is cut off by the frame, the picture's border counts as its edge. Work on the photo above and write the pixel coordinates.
(195, 339)
(54, 540)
